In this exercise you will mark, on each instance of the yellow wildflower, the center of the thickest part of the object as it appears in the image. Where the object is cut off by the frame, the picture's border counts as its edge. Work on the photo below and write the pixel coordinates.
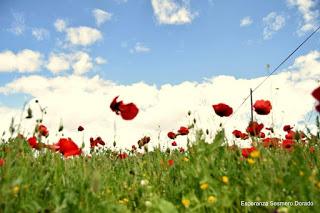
(185, 202)
(255, 154)
(250, 161)
(186, 159)
(15, 190)
(212, 199)
(225, 179)
(204, 186)
(301, 173)
(124, 201)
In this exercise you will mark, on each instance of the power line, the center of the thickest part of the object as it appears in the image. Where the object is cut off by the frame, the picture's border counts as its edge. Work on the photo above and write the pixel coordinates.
(283, 61)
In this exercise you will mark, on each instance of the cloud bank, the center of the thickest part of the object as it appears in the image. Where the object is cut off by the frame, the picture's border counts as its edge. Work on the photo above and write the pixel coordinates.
(79, 100)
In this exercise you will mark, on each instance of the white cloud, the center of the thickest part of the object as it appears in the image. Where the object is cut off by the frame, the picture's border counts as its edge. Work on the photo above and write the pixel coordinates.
(140, 48)
(246, 21)
(80, 100)
(18, 25)
(60, 25)
(100, 60)
(40, 33)
(24, 61)
(83, 36)
(101, 16)
(309, 13)
(82, 63)
(58, 63)
(172, 12)
(272, 23)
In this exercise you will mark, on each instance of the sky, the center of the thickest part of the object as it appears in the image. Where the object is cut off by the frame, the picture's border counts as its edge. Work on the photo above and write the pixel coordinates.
(167, 56)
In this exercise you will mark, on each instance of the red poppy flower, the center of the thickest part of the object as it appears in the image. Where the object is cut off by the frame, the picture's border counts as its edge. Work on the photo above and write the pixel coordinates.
(318, 107)
(244, 136)
(262, 107)
(67, 147)
(170, 162)
(33, 142)
(43, 130)
(290, 135)
(287, 128)
(96, 142)
(183, 130)
(174, 143)
(171, 135)
(126, 111)
(2, 161)
(181, 150)
(133, 147)
(287, 144)
(262, 135)
(237, 133)
(80, 128)
(254, 128)
(123, 155)
(246, 151)
(223, 110)
(311, 149)
(316, 94)
(270, 142)
(143, 141)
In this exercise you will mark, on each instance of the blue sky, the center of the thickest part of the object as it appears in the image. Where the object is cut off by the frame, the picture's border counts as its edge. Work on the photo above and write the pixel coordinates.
(211, 42)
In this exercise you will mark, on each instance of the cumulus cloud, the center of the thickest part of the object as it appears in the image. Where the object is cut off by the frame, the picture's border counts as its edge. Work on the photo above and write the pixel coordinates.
(246, 21)
(309, 13)
(172, 12)
(40, 33)
(140, 48)
(58, 63)
(24, 61)
(18, 25)
(272, 23)
(83, 36)
(101, 16)
(82, 64)
(100, 60)
(80, 100)
(60, 25)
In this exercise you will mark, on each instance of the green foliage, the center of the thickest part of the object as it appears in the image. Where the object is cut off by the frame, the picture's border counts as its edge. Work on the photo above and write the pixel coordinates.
(206, 178)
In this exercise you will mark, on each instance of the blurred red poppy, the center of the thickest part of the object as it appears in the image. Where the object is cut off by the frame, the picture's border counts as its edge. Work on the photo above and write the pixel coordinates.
(237, 133)
(270, 142)
(316, 94)
(287, 128)
(287, 144)
(174, 143)
(171, 135)
(183, 130)
(290, 135)
(96, 142)
(262, 107)
(246, 151)
(312, 149)
(33, 142)
(223, 110)
(126, 111)
(262, 135)
(68, 147)
(43, 130)
(254, 128)
(2, 161)
(181, 150)
(170, 162)
(123, 155)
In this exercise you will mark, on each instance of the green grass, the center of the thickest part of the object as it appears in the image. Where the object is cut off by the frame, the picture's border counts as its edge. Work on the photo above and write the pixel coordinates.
(146, 183)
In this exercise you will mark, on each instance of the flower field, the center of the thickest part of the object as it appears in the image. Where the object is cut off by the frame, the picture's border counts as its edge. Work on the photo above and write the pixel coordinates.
(273, 175)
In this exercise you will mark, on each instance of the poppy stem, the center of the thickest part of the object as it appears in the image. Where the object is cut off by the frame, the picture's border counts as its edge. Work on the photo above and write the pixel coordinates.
(251, 105)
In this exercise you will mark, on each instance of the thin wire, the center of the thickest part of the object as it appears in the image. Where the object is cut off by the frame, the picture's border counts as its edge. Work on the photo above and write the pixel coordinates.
(283, 61)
